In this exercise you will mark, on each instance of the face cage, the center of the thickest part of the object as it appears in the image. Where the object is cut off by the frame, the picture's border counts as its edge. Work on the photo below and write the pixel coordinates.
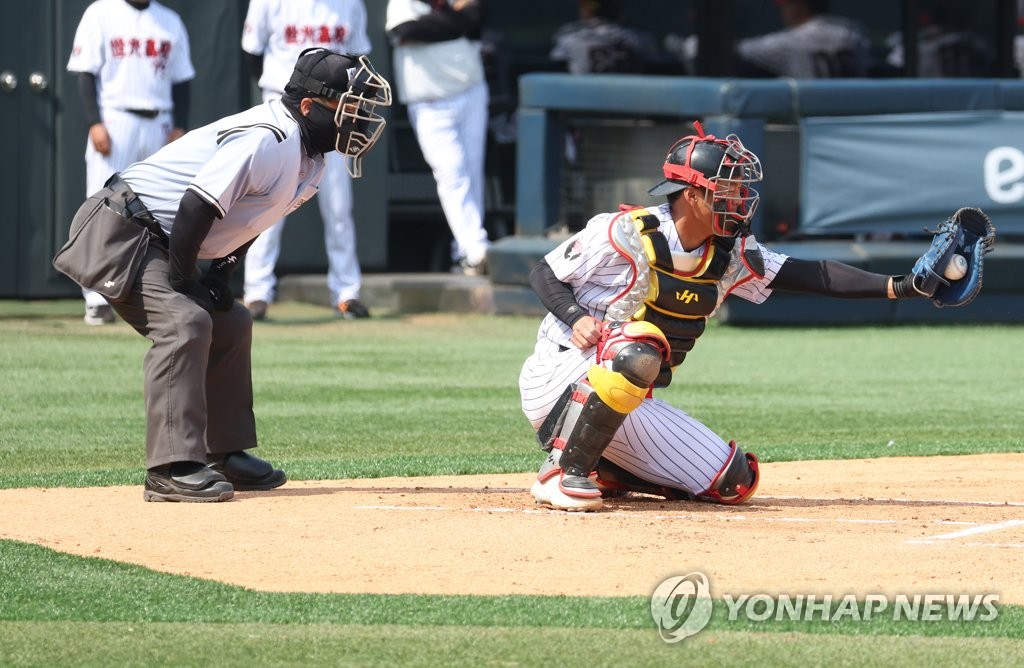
(359, 126)
(733, 200)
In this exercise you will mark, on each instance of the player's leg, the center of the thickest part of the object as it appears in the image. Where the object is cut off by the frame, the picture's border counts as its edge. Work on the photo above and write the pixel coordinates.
(259, 279)
(436, 125)
(174, 371)
(121, 127)
(474, 138)
(662, 450)
(231, 425)
(584, 421)
(344, 279)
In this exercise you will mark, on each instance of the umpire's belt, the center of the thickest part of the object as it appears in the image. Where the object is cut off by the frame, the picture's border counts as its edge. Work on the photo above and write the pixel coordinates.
(144, 113)
(133, 208)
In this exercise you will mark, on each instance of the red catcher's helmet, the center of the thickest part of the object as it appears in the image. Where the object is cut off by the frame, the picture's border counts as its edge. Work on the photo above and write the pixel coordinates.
(724, 168)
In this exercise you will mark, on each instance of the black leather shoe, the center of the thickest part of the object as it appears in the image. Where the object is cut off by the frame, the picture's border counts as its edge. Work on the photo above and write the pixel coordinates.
(186, 481)
(247, 472)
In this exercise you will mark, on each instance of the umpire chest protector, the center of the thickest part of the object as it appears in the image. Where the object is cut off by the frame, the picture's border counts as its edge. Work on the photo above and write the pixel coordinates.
(680, 299)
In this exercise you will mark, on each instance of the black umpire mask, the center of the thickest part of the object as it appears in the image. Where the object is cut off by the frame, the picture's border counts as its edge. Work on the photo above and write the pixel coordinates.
(319, 133)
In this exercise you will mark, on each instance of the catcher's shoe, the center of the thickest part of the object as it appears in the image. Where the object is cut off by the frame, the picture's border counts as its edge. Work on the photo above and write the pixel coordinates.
(186, 481)
(564, 492)
(247, 472)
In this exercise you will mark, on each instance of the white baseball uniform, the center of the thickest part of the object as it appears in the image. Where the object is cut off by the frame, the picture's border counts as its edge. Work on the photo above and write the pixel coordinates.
(821, 47)
(136, 56)
(443, 86)
(658, 442)
(280, 30)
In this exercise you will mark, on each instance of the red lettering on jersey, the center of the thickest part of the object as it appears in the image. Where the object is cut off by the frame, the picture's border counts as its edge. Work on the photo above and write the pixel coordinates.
(151, 51)
(134, 46)
(322, 34)
(117, 47)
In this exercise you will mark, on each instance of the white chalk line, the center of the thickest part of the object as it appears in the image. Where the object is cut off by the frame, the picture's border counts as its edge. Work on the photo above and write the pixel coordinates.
(540, 510)
(973, 531)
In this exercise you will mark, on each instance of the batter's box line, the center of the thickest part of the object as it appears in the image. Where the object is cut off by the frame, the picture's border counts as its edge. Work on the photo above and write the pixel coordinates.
(894, 501)
(663, 516)
(964, 533)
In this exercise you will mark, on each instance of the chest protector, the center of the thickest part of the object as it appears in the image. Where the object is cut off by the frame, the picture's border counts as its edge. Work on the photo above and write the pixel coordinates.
(680, 299)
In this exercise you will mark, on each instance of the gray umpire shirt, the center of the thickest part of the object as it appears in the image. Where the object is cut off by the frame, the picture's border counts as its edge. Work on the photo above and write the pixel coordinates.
(251, 167)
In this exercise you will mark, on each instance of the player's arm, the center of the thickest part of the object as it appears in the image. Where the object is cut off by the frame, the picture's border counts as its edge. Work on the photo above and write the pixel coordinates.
(558, 298)
(831, 278)
(255, 64)
(91, 110)
(181, 96)
(192, 223)
(441, 25)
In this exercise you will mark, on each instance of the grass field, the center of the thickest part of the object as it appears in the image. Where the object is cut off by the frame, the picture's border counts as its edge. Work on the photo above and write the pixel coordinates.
(437, 394)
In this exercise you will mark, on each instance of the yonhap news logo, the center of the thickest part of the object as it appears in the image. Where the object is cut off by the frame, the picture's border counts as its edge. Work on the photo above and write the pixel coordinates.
(681, 606)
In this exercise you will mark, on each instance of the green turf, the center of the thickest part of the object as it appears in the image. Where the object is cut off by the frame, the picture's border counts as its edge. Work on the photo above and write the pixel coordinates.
(438, 394)
(89, 609)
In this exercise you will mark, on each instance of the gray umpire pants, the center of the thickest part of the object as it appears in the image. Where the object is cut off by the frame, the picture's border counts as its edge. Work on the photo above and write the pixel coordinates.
(198, 372)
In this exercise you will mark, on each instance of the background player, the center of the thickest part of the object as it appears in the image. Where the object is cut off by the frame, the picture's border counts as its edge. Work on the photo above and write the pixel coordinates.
(206, 197)
(133, 65)
(275, 32)
(813, 44)
(440, 76)
(628, 297)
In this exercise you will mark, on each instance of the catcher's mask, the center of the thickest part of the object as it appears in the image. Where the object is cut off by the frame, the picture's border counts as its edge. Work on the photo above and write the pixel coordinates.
(359, 89)
(725, 169)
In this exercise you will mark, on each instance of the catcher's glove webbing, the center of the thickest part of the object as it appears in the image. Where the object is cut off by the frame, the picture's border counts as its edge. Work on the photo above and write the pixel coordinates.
(969, 233)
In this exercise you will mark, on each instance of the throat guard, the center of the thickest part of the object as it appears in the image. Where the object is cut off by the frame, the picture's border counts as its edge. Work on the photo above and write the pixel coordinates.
(684, 290)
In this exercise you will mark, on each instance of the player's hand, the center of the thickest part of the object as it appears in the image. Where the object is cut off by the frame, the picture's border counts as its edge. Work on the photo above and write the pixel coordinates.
(195, 291)
(175, 133)
(586, 332)
(100, 138)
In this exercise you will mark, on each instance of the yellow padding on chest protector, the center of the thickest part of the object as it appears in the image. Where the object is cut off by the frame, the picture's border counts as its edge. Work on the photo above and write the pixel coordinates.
(614, 390)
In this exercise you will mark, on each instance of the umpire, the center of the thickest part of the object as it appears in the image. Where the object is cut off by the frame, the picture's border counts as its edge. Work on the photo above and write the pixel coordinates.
(206, 196)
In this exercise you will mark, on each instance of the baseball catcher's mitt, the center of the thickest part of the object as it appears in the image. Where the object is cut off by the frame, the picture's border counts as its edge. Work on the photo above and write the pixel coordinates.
(969, 233)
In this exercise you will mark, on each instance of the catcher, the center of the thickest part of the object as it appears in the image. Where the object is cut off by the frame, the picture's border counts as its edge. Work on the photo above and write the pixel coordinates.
(631, 293)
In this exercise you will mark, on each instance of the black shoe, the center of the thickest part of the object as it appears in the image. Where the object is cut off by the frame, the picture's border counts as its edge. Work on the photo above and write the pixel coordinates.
(186, 481)
(247, 472)
(351, 309)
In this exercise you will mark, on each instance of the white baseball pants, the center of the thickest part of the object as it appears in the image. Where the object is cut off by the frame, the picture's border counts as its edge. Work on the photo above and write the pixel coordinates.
(132, 138)
(452, 135)
(658, 442)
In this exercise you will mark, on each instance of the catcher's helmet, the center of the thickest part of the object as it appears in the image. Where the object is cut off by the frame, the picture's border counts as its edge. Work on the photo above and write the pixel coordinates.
(724, 168)
(352, 80)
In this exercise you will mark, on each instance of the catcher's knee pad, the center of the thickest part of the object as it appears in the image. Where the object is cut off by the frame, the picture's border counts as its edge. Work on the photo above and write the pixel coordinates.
(736, 481)
(628, 362)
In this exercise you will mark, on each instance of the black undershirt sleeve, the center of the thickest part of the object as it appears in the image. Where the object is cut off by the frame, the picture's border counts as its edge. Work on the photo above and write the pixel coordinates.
(87, 91)
(830, 278)
(556, 296)
(255, 64)
(225, 266)
(191, 225)
(181, 96)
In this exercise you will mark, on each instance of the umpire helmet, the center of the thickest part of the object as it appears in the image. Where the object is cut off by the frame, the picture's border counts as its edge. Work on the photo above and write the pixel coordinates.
(724, 168)
(359, 89)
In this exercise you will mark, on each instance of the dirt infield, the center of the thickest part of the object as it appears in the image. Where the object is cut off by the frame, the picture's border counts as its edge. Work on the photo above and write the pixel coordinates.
(894, 525)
